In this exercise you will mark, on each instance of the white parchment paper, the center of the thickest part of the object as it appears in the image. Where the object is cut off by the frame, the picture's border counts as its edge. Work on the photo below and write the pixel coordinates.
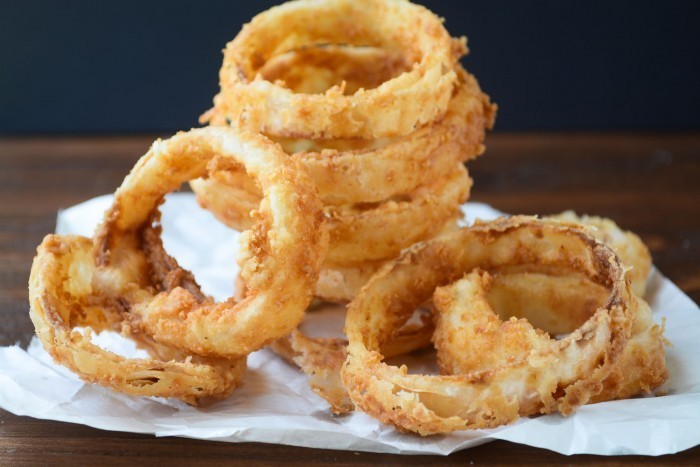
(275, 405)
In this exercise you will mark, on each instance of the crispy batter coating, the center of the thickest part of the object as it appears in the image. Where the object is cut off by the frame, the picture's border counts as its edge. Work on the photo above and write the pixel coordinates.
(358, 233)
(340, 283)
(396, 107)
(382, 231)
(472, 335)
(68, 290)
(642, 365)
(361, 171)
(627, 244)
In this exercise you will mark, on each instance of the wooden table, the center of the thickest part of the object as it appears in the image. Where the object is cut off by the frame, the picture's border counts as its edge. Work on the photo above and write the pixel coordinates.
(647, 182)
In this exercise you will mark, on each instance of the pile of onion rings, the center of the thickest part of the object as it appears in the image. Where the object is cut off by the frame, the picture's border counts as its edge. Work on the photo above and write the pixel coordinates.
(384, 187)
(339, 146)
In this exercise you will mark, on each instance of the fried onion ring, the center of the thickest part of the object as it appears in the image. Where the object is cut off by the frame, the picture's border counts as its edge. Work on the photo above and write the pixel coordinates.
(67, 290)
(280, 255)
(359, 171)
(394, 108)
(562, 375)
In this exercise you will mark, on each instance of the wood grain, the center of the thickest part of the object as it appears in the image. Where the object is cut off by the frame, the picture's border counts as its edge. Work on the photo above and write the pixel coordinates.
(649, 183)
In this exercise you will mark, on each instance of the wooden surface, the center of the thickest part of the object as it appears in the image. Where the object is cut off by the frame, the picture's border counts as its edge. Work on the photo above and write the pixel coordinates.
(649, 183)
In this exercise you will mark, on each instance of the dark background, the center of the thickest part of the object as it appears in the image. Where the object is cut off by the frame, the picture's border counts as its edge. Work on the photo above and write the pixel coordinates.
(88, 66)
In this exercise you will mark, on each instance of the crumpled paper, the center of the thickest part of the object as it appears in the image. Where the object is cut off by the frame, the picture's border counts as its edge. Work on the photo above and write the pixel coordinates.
(275, 404)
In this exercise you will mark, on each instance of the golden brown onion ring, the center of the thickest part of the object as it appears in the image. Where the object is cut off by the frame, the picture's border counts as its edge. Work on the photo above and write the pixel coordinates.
(563, 376)
(625, 243)
(394, 108)
(280, 255)
(358, 233)
(67, 290)
(358, 171)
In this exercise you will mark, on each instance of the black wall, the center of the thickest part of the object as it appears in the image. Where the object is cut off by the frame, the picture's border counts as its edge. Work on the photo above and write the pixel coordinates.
(129, 66)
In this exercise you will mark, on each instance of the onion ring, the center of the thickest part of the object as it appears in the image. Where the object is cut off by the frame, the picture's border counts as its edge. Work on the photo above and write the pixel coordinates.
(359, 171)
(66, 290)
(568, 373)
(394, 108)
(124, 273)
(280, 256)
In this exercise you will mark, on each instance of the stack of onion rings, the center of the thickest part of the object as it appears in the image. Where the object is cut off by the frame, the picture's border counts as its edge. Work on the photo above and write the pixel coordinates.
(374, 105)
(378, 112)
